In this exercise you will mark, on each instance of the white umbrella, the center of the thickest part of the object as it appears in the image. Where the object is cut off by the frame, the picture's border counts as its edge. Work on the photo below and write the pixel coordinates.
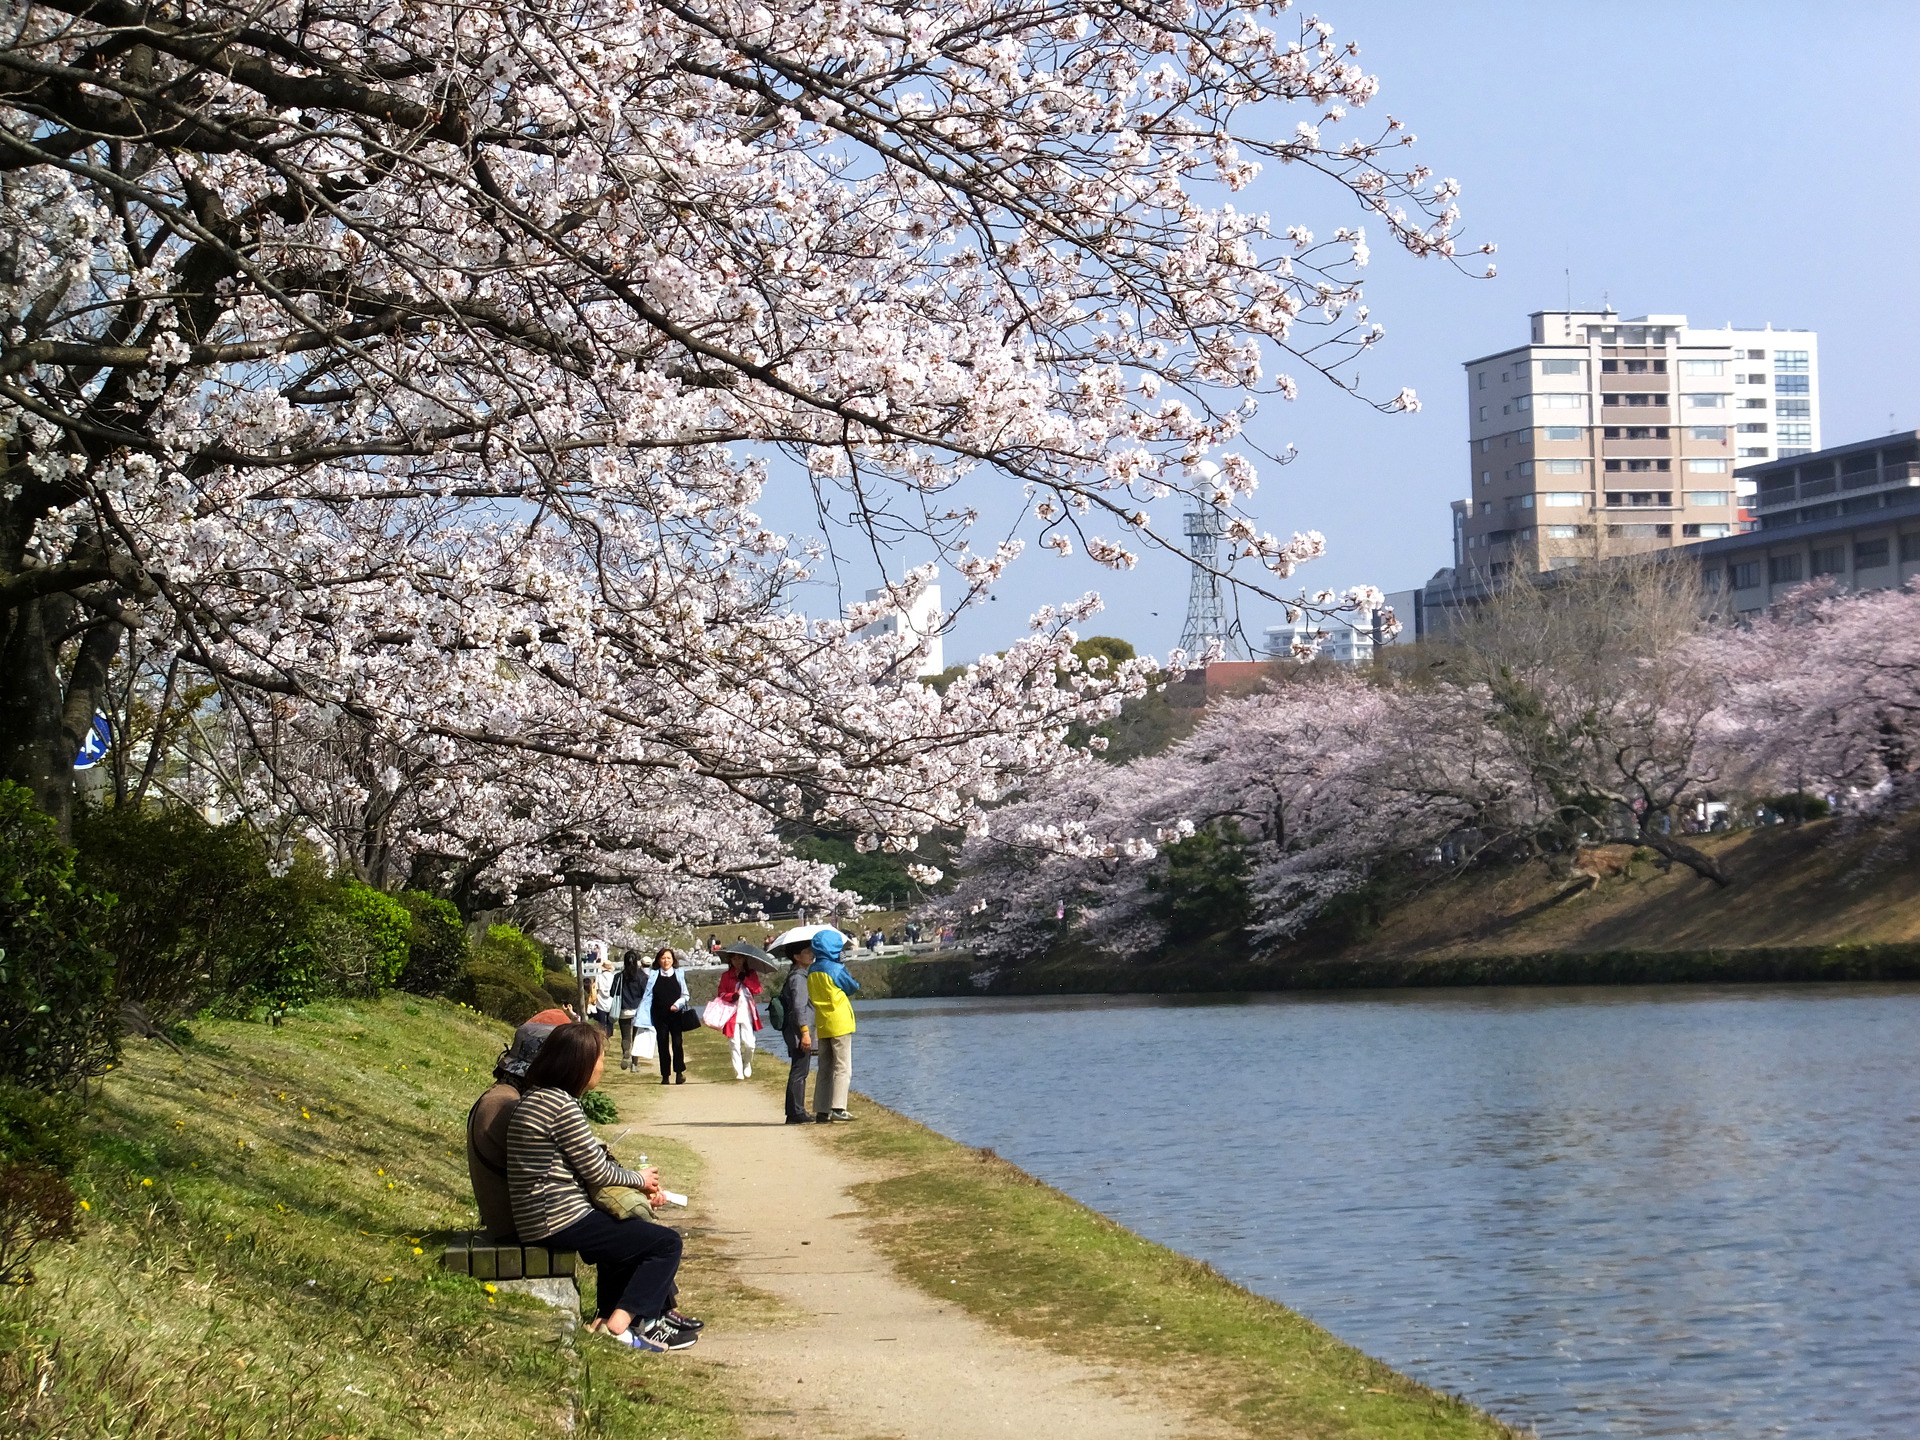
(798, 935)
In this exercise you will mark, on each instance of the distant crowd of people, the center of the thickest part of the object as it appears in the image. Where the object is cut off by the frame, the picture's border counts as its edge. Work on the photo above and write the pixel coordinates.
(540, 1176)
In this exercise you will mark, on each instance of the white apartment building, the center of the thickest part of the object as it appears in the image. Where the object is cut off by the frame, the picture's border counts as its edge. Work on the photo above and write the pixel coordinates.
(1604, 436)
(923, 620)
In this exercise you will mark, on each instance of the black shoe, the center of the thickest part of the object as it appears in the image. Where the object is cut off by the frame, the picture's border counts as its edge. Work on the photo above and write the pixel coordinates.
(685, 1322)
(665, 1081)
(680, 1078)
(667, 1335)
(822, 1118)
(798, 1120)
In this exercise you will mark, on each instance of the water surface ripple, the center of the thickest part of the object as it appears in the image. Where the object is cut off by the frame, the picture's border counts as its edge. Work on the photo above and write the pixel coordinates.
(1605, 1212)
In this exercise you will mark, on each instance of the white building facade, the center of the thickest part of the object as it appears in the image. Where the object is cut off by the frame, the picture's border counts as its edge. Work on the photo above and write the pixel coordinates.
(923, 619)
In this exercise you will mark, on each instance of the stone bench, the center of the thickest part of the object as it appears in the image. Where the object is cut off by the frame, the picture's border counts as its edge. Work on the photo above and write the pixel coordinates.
(516, 1269)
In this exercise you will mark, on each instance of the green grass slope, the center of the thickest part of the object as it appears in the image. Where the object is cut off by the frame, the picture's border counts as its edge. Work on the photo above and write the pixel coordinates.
(257, 1259)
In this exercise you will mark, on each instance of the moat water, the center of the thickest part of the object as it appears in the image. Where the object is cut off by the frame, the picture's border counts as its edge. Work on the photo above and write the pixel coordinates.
(1657, 1211)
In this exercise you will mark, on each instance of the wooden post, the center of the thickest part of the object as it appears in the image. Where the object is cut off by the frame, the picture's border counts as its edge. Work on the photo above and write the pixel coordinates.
(579, 964)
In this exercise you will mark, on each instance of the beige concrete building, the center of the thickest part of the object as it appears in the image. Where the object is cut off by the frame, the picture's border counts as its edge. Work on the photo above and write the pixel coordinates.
(1603, 436)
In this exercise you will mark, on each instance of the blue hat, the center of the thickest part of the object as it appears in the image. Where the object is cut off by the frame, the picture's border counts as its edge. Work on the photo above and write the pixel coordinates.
(828, 943)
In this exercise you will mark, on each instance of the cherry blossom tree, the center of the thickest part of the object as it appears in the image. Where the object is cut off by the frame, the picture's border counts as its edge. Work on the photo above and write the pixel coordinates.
(418, 369)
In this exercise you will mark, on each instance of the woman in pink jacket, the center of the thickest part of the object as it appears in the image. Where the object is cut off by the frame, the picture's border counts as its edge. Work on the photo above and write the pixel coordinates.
(738, 986)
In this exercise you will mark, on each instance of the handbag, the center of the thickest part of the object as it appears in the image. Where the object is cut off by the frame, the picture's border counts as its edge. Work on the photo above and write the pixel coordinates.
(646, 1046)
(716, 1015)
(685, 1020)
(623, 1202)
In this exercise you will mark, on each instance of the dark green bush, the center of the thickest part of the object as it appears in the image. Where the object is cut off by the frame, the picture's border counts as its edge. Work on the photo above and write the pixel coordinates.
(437, 948)
(506, 994)
(1202, 887)
(598, 1107)
(58, 1019)
(561, 988)
(1798, 805)
(508, 947)
(39, 1129)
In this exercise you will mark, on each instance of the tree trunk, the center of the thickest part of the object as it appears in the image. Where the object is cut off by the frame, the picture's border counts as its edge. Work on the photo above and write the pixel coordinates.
(1695, 860)
(45, 716)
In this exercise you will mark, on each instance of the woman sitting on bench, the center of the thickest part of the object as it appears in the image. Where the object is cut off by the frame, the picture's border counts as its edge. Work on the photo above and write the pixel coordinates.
(554, 1165)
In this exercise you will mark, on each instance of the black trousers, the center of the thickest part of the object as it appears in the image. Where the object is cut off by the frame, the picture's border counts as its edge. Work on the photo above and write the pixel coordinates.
(627, 1022)
(673, 1051)
(801, 1063)
(635, 1262)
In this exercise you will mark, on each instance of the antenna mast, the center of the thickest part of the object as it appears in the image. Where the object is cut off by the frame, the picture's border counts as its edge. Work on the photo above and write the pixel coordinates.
(1206, 611)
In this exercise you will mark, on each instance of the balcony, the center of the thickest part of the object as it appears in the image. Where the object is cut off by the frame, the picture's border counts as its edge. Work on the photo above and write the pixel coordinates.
(1639, 499)
(1881, 483)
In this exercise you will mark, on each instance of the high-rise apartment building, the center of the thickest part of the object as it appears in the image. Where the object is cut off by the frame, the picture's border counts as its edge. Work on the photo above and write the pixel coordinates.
(1610, 436)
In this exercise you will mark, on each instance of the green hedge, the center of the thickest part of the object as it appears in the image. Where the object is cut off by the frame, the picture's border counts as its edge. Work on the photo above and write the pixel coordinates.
(58, 1023)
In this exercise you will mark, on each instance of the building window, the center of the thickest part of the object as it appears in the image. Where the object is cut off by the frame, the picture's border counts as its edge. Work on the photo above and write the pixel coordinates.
(1792, 385)
(1706, 467)
(1753, 404)
(1707, 432)
(1640, 499)
(1870, 554)
(1486, 477)
(1609, 367)
(1559, 367)
(1705, 532)
(1526, 502)
(1791, 434)
(1564, 467)
(1561, 402)
(1754, 427)
(1830, 560)
(1563, 562)
(1703, 367)
(1483, 379)
(1746, 575)
(1706, 401)
(1787, 452)
(1524, 469)
(1783, 569)
(1759, 379)
(1641, 532)
(1483, 412)
(1562, 432)
(1706, 497)
(1563, 497)
(1710, 581)
(1525, 402)
(1793, 409)
(1639, 467)
(1562, 532)
(1753, 452)
(1756, 354)
(1910, 547)
(1794, 361)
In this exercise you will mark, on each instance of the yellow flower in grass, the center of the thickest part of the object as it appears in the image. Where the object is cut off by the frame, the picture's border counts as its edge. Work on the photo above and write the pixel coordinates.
(491, 1288)
(85, 1206)
(418, 1251)
(146, 1182)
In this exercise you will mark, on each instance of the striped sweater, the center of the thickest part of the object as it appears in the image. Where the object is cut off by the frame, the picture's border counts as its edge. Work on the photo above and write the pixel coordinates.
(553, 1162)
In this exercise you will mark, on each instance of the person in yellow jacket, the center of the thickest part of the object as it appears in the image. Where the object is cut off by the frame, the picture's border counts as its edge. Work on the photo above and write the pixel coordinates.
(830, 989)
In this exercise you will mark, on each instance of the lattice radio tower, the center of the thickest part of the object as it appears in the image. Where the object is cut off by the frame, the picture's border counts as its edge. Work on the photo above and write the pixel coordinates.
(1206, 610)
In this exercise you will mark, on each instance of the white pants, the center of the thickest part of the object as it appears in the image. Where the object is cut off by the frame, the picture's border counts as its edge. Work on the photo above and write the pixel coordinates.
(742, 1045)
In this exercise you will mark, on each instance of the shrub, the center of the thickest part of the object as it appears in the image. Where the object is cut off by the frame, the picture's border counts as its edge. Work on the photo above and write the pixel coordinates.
(508, 947)
(561, 988)
(385, 931)
(37, 1205)
(437, 949)
(1202, 888)
(598, 1108)
(58, 1023)
(505, 994)
(201, 919)
(1798, 805)
(40, 1130)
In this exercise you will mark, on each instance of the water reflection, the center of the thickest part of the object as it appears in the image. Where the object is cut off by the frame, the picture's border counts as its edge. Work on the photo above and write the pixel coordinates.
(1606, 1212)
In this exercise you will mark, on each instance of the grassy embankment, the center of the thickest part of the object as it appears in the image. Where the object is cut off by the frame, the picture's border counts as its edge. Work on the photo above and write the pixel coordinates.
(969, 1227)
(258, 1260)
(1811, 902)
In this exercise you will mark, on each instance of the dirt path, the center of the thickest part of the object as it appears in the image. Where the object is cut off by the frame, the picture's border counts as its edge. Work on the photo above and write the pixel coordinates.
(863, 1355)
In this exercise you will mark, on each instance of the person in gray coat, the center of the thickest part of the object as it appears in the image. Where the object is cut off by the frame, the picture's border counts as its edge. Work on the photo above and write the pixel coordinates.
(796, 1029)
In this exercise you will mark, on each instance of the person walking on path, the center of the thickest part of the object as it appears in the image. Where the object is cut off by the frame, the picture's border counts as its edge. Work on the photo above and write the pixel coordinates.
(630, 983)
(666, 998)
(796, 1028)
(554, 1164)
(738, 986)
(831, 989)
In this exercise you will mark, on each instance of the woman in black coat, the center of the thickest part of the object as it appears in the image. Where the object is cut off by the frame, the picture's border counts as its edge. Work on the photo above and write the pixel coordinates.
(667, 997)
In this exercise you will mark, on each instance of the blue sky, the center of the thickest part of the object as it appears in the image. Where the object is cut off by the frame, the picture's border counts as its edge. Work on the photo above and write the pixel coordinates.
(1748, 162)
